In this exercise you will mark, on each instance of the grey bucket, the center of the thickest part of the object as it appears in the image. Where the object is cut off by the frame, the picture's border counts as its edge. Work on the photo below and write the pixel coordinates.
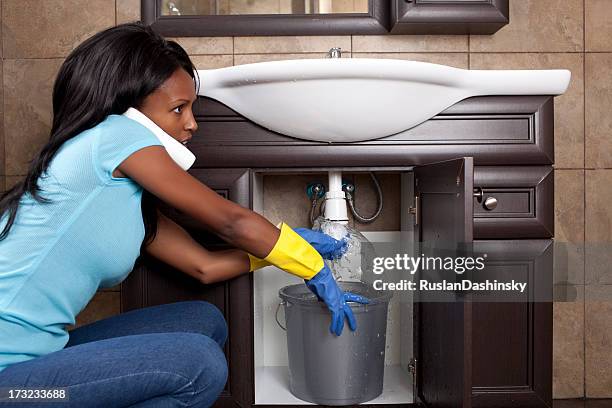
(329, 370)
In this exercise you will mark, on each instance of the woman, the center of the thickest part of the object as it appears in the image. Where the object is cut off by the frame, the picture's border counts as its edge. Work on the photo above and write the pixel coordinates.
(86, 230)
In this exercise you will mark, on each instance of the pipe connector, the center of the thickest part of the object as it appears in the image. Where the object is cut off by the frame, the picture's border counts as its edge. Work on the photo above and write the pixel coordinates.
(335, 199)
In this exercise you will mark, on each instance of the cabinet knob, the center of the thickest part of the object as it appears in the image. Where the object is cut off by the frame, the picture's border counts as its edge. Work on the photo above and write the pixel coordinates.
(490, 203)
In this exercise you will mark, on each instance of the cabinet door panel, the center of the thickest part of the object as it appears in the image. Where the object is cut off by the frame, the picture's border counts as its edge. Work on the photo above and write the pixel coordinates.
(512, 338)
(153, 282)
(443, 337)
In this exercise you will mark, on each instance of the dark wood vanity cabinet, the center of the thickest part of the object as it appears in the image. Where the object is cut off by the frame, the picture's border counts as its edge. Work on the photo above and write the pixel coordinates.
(495, 354)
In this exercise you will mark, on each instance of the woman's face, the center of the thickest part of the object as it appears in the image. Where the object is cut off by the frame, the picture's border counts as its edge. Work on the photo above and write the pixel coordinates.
(170, 106)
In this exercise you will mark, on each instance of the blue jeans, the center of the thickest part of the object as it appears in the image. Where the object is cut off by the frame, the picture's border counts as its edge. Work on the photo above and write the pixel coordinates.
(162, 356)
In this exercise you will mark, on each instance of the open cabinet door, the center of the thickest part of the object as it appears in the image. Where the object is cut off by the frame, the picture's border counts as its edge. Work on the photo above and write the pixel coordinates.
(444, 214)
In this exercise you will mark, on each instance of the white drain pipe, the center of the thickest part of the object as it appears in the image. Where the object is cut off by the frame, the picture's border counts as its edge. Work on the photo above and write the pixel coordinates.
(335, 199)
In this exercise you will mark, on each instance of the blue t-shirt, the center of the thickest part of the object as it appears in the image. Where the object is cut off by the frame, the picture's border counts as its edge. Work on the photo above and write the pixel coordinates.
(58, 254)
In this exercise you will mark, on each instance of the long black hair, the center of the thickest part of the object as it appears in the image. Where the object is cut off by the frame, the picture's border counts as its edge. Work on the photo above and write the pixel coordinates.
(106, 74)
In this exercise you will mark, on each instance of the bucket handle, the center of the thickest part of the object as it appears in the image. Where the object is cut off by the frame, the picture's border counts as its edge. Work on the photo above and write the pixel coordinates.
(282, 302)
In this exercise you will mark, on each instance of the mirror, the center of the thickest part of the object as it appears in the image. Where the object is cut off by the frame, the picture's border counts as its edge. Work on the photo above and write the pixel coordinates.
(204, 18)
(249, 7)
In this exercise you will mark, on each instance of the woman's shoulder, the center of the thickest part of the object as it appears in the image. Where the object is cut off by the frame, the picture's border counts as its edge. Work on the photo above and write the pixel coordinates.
(124, 127)
(115, 139)
(120, 122)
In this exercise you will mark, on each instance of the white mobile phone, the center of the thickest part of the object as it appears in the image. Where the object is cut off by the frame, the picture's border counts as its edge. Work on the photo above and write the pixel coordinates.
(179, 153)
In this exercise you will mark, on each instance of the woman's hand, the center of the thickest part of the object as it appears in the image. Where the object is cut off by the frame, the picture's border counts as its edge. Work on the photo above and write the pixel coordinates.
(326, 288)
(295, 255)
(328, 247)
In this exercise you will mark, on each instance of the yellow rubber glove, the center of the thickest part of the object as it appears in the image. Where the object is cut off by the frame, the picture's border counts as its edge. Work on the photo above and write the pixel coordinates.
(256, 263)
(293, 254)
(326, 246)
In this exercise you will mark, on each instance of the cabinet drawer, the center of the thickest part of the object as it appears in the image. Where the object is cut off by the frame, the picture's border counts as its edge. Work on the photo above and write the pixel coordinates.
(513, 202)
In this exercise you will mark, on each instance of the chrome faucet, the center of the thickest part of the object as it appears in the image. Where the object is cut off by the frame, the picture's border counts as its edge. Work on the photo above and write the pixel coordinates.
(335, 52)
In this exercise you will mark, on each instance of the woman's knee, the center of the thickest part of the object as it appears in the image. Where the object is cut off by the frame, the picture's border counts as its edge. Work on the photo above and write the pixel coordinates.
(210, 317)
(210, 369)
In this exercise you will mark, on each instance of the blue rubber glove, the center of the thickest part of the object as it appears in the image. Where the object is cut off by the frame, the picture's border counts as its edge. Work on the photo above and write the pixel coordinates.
(325, 287)
(328, 247)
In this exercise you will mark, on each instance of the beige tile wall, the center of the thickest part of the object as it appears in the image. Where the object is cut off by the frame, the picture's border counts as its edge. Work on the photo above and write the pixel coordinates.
(573, 34)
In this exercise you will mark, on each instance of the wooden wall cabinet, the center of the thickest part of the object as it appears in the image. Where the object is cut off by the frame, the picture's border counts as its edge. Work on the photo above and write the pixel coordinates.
(495, 354)
(384, 17)
(448, 16)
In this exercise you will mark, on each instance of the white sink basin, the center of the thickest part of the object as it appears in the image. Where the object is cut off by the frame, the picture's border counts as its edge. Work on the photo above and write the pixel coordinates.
(355, 99)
